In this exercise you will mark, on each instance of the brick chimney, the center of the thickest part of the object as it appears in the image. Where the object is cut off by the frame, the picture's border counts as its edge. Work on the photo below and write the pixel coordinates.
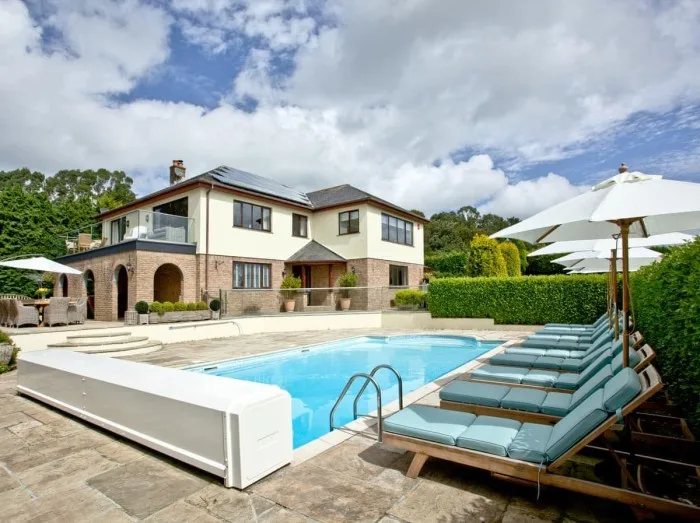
(177, 172)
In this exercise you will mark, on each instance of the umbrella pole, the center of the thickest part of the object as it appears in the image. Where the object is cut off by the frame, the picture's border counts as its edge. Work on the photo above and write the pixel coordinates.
(624, 233)
(610, 314)
(614, 291)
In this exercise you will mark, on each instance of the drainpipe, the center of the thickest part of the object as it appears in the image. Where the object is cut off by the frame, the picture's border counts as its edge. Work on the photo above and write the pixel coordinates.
(206, 255)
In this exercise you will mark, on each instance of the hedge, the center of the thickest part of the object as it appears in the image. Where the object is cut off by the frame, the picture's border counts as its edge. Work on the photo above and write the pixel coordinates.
(485, 258)
(666, 310)
(511, 256)
(524, 300)
(445, 265)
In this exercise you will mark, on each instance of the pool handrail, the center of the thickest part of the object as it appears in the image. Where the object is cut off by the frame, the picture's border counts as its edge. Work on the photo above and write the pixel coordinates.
(350, 381)
(364, 387)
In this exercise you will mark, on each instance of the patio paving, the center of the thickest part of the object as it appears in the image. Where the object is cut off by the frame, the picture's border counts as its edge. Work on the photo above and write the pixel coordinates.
(56, 468)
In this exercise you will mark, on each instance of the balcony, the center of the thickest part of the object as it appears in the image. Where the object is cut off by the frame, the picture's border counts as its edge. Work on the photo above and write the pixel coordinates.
(135, 226)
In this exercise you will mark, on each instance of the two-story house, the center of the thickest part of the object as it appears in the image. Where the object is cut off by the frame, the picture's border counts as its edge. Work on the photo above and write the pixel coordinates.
(229, 229)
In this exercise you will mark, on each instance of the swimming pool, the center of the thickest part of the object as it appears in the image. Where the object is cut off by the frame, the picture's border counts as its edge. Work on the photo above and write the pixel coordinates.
(315, 376)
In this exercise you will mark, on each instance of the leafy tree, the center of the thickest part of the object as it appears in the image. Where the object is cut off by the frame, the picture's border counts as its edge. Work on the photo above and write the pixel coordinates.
(31, 181)
(112, 186)
(447, 232)
(485, 258)
(511, 256)
(28, 225)
(446, 265)
(419, 213)
(543, 265)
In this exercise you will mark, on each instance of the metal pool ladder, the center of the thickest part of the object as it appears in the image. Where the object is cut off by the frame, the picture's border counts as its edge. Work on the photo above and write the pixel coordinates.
(369, 378)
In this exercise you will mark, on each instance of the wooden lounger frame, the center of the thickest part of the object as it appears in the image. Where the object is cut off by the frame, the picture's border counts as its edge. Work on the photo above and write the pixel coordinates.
(523, 471)
(533, 417)
(646, 353)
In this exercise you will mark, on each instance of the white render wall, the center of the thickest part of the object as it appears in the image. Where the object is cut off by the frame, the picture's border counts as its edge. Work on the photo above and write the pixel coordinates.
(383, 250)
(349, 246)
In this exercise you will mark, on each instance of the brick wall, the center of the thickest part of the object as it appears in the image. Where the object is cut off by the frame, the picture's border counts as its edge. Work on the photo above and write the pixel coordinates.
(372, 272)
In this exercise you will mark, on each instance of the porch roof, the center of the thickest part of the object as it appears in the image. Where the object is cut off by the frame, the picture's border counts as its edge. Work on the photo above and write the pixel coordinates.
(314, 252)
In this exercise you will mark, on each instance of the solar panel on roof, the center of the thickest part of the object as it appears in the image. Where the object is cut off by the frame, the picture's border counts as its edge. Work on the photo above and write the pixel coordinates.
(253, 182)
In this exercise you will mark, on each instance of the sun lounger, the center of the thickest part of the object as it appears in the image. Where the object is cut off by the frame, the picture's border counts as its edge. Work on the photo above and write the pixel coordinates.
(530, 452)
(556, 380)
(591, 326)
(569, 341)
(580, 352)
(533, 405)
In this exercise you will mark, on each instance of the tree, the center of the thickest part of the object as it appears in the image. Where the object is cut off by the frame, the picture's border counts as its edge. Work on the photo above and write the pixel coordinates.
(447, 232)
(485, 258)
(543, 265)
(112, 187)
(419, 213)
(31, 181)
(28, 225)
(511, 256)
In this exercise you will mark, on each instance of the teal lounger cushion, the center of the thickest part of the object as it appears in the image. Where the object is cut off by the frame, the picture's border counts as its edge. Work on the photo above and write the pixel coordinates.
(429, 423)
(548, 362)
(621, 389)
(556, 404)
(572, 380)
(530, 442)
(499, 373)
(559, 353)
(526, 350)
(541, 378)
(576, 425)
(485, 394)
(517, 360)
(523, 399)
(489, 434)
(591, 385)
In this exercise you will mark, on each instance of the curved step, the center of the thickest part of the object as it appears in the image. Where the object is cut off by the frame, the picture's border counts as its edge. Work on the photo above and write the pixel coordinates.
(114, 349)
(92, 339)
(151, 346)
(119, 343)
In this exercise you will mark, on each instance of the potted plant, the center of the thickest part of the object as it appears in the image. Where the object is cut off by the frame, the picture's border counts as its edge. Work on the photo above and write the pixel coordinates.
(215, 307)
(42, 292)
(346, 282)
(289, 288)
(141, 308)
(8, 353)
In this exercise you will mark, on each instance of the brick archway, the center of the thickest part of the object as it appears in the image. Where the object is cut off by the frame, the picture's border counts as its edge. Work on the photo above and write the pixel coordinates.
(167, 283)
(121, 279)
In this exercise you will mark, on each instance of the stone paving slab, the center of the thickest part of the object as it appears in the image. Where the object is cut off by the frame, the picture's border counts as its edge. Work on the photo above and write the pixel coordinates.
(54, 467)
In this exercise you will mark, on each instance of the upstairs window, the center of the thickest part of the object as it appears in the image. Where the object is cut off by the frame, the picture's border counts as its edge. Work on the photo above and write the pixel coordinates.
(249, 216)
(396, 230)
(349, 222)
(300, 226)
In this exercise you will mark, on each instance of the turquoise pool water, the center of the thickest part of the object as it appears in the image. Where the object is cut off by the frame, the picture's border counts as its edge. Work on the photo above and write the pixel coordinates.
(315, 376)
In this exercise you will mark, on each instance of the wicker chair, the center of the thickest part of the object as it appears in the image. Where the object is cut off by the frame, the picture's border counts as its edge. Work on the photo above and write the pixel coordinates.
(3, 312)
(56, 312)
(20, 314)
(77, 313)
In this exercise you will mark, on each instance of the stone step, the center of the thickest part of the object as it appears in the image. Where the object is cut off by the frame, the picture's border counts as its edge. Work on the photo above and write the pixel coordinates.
(91, 339)
(115, 344)
(150, 346)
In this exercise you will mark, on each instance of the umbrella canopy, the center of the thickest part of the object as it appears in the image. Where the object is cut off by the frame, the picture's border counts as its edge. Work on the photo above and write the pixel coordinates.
(629, 204)
(603, 265)
(39, 263)
(562, 247)
(636, 254)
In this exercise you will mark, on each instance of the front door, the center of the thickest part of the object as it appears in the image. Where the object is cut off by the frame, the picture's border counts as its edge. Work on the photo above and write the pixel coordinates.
(303, 272)
(122, 292)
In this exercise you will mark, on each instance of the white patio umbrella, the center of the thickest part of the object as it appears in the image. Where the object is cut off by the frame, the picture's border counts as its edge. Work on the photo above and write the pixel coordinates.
(39, 263)
(603, 264)
(608, 244)
(637, 254)
(628, 204)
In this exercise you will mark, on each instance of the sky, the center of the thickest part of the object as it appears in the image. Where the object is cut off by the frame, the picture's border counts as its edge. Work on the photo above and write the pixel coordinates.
(507, 106)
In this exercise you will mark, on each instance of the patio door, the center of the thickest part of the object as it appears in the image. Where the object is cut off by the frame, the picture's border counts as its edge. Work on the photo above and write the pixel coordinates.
(118, 230)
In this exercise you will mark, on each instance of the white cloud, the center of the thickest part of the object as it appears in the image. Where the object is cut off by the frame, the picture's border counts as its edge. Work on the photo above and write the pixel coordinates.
(379, 92)
(527, 197)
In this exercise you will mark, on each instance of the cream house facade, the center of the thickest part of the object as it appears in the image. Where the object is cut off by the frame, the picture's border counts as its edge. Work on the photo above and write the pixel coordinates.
(228, 230)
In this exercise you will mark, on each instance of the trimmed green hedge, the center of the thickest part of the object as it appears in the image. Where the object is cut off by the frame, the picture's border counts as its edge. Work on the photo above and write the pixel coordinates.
(666, 309)
(445, 265)
(525, 300)
(485, 258)
(511, 256)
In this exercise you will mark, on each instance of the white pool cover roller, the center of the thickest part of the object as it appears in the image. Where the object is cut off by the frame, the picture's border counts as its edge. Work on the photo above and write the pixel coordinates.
(238, 430)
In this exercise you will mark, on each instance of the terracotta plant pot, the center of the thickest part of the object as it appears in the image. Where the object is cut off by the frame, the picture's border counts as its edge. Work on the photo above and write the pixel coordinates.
(289, 305)
(345, 304)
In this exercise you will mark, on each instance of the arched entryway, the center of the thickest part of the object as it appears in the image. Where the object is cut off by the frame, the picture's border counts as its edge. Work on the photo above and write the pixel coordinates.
(63, 285)
(122, 280)
(167, 283)
(89, 278)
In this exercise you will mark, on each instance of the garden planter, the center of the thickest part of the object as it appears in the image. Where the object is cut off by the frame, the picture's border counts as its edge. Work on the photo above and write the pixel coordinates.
(215, 315)
(131, 318)
(289, 305)
(143, 319)
(177, 316)
(345, 304)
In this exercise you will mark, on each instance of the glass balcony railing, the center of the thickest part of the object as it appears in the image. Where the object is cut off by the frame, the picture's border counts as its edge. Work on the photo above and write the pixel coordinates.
(135, 225)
